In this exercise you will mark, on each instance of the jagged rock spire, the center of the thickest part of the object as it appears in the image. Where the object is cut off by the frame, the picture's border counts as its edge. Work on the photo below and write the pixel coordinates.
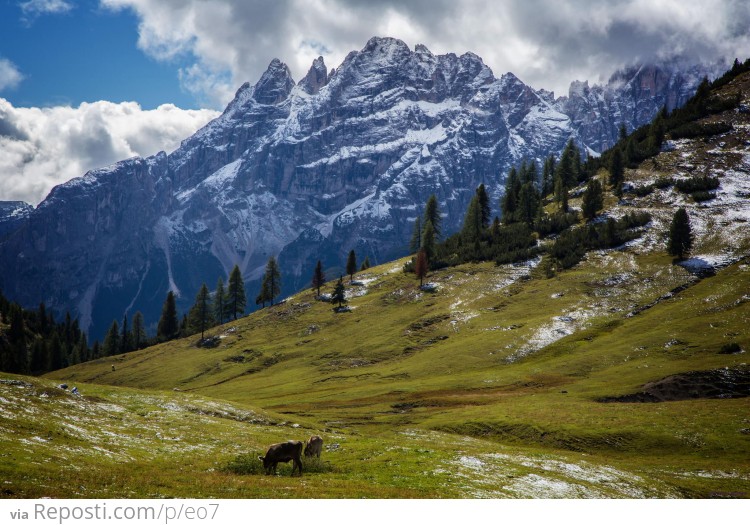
(316, 78)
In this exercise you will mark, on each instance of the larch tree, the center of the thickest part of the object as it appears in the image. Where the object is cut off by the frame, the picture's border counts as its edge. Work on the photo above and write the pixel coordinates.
(421, 266)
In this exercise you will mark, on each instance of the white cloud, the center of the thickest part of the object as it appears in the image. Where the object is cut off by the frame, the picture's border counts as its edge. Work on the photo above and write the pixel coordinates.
(43, 147)
(547, 43)
(10, 76)
(34, 8)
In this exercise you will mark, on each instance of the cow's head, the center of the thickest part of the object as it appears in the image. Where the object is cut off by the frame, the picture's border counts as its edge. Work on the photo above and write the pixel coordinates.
(266, 463)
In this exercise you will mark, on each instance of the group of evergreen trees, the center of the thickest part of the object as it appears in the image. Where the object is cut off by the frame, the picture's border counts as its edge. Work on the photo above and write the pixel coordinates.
(32, 342)
(226, 304)
(338, 296)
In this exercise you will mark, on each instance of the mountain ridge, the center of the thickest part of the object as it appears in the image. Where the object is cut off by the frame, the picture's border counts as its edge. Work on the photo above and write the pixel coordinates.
(303, 171)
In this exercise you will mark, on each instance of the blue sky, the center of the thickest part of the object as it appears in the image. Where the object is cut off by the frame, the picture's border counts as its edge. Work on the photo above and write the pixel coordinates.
(84, 54)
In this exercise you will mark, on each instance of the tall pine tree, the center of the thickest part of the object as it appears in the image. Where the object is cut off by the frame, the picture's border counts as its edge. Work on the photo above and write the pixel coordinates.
(319, 278)
(220, 302)
(680, 235)
(351, 265)
(432, 215)
(201, 315)
(169, 326)
(236, 300)
(592, 199)
(272, 278)
(111, 345)
(484, 205)
(138, 331)
(616, 172)
(429, 244)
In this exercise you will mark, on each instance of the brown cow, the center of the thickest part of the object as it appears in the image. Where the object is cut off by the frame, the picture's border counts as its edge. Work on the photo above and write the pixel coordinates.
(314, 446)
(283, 453)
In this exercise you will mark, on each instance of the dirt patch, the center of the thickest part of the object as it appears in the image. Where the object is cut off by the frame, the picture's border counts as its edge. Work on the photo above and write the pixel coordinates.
(724, 383)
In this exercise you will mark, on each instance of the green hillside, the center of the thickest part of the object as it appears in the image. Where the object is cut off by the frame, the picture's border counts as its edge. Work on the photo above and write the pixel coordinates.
(490, 381)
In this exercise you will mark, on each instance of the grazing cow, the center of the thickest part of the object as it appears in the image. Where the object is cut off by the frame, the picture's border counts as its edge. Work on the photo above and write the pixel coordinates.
(314, 446)
(283, 453)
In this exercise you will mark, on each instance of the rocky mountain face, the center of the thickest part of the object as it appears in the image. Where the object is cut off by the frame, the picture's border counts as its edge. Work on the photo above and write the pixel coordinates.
(631, 97)
(12, 216)
(343, 160)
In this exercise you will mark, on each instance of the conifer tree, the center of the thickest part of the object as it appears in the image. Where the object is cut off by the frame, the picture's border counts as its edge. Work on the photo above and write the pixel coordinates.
(616, 172)
(201, 315)
(138, 332)
(339, 293)
(351, 265)
(126, 340)
(319, 278)
(272, 279)
(472, 228)
(220, 302)
(169, 326)
(416, 237)
(55, 352)
(531, 175)
(184, 327)
(569, 166)
(428, 241)
(43, 322)
(484, 205)
(111, 345)
(432, 214)
(83, 348)
(509, 201)
(236, 300)
(528, 203)
(96, 350)
(561, 193)
(623, 134)
(592, 199)
(421, 265)
(13, 353)
(680, 235)
(264, 295)
(365, 264)
(39, 357)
